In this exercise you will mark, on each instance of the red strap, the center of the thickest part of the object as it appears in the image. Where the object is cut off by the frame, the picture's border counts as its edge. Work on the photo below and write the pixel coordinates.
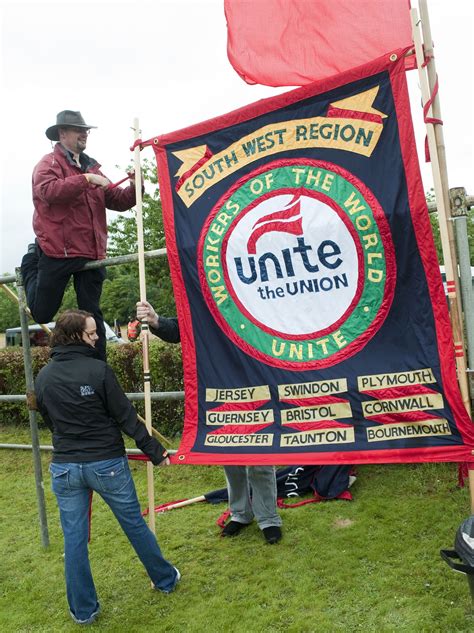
(428, 58)
(346, 495)
(116, 184)
(429, 103)
(142, 144)
(429, 119)
(281, 502)
(223, 518)
(142, 458)
(138, 143)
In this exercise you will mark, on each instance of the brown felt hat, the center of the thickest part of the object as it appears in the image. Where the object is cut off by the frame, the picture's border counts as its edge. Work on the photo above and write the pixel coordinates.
(67, 118)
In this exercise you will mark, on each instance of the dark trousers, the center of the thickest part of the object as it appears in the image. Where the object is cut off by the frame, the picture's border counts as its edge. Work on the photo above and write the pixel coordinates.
(45, 280)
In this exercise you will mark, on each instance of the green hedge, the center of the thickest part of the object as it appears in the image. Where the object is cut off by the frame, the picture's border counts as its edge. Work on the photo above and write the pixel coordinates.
(126, 360)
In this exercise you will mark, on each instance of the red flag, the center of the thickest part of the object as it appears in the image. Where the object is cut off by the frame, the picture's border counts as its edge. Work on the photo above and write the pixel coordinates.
(296, 42)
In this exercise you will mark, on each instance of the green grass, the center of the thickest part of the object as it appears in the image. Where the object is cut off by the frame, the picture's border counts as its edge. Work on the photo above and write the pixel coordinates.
(369, 565)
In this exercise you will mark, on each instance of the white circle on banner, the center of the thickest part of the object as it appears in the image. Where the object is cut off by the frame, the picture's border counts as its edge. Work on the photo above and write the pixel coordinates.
(297, 272)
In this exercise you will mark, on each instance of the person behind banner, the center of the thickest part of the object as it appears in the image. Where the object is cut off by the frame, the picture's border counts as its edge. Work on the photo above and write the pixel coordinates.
(133, 329)
(117, 329)
(85, 408)
(261, 480)
(70, 195)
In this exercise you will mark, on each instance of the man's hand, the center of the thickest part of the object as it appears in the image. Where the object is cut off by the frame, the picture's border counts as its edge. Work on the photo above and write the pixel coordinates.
(146, 312)
(97, 180)
(165, 462)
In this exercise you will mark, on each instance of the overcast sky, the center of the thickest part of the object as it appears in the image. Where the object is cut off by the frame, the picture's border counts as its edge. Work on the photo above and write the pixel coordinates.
(164, 62)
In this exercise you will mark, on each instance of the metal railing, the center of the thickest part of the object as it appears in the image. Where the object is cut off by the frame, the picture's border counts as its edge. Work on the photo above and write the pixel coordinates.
(28, 398)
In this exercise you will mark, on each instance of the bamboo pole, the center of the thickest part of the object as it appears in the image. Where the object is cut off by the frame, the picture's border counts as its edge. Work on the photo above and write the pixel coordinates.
(439, 136)
(440, 181)
(182, 504)
(145, 330)
(456, 309)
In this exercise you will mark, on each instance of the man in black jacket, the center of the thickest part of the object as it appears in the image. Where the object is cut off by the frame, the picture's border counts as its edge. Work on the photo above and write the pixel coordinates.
(81, 401)
(262, 505)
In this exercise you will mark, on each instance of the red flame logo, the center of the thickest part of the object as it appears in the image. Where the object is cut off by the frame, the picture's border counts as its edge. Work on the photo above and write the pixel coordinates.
(284, 221)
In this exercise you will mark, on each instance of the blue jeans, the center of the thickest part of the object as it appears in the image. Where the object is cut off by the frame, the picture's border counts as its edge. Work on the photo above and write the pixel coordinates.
(73, 483)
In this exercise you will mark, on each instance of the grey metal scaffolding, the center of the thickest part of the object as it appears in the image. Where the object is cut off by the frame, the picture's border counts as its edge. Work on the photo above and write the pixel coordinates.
(29, 397)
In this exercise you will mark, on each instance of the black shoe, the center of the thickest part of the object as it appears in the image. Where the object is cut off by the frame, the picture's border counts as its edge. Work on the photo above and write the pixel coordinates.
(34, 249)
(272, 534)
(29, 263)
(233, 528)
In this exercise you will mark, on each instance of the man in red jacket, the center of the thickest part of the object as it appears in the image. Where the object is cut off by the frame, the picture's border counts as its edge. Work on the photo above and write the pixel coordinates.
(70, 195)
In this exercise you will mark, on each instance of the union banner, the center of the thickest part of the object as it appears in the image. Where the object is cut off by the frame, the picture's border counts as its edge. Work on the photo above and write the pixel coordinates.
(312, 314)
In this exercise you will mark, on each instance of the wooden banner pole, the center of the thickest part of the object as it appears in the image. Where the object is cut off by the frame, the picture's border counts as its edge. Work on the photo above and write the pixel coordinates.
(440, 181)
(182, 504)
(145, 330)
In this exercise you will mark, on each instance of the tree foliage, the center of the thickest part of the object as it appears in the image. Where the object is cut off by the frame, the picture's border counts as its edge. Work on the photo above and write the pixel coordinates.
(470, 234)
(121, 288)
(430, 197)
(434, 221)
(9, 315)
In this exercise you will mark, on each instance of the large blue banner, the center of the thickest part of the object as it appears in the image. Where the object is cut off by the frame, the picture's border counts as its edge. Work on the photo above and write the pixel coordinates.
(312, 315)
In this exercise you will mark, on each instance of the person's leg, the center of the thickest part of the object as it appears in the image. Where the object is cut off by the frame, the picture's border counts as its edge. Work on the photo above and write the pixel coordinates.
(262, 481)
(88, 285)
(45, 279)
(239, 494)
(113, 481)
(73, 501)
(29, 272)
